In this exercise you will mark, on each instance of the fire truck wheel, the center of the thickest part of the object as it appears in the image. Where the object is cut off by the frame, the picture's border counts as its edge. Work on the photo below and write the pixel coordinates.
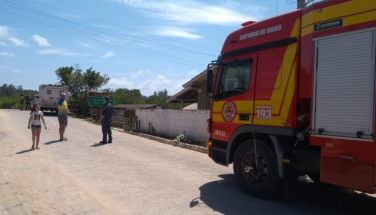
(256, 169)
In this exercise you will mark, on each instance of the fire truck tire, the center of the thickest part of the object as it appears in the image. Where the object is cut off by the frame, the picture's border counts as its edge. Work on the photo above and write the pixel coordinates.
(261, 181)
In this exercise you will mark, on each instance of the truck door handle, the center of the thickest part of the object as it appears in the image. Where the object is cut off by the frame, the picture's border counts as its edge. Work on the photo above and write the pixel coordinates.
(343, 157)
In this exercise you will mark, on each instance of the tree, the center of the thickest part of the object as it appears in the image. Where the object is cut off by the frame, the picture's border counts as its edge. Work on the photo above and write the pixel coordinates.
(158, 98)
(81, 83)
(94, 80)
(65, 75)
(8, 90)
(10, 95)
(126, 96)
(108, 90)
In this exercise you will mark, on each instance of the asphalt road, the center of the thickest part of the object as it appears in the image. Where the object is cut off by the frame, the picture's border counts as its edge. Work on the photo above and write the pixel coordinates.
(138, 176)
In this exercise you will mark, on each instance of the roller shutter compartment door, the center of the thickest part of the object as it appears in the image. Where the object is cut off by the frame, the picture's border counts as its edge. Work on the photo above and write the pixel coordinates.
(344, 90)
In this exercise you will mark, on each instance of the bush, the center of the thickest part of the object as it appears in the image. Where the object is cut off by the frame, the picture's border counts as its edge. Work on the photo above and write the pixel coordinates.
(9, 103)
(182, 138)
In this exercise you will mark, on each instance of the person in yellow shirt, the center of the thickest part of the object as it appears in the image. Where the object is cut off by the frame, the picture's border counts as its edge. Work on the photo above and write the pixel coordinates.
(62, 116)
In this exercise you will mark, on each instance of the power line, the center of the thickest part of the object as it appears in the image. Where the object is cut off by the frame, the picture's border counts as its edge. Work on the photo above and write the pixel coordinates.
(112, 41)
(121, 26)
(189, 63)
(42, 13)
(106, 32)
(290, 2)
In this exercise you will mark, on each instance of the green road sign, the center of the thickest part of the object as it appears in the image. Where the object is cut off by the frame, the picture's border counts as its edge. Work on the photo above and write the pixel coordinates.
(98, 101)
(327, 25)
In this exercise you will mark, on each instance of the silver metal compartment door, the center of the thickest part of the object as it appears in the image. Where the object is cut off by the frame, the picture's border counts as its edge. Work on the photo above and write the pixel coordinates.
(344, 88)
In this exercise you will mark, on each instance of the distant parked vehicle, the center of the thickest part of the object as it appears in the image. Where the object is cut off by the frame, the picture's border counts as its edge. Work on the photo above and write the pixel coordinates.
(49, 95)
(34, 101)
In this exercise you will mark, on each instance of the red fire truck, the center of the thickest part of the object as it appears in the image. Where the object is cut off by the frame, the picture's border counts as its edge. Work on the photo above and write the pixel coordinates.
(294, 95)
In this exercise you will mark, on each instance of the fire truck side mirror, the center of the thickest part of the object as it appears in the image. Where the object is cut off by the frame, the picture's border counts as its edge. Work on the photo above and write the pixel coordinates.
(209, 82)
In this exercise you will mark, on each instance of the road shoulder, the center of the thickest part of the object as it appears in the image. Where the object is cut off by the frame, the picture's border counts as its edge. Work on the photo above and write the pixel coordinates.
(9, 202)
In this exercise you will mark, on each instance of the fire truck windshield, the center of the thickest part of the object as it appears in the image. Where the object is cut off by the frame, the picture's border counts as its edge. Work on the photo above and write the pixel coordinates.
(235, 78)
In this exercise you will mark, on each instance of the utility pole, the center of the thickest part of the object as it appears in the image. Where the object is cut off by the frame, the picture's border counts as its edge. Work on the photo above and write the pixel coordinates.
(303, 3)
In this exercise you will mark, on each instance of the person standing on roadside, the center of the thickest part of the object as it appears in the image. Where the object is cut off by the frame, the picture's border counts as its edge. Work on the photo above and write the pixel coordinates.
(35, 117)
(27, 102)
(105, 120)
(62, 116)
(22, 99)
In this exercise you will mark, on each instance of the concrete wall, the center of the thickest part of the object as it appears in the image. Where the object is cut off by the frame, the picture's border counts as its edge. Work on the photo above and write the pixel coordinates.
(171, 123)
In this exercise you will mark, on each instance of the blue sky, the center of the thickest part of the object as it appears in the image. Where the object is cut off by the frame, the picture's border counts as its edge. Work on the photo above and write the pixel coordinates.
(149, 45)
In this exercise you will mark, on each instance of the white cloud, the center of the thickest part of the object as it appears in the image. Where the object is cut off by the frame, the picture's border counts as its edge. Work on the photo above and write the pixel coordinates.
(50, 51)
(140, 73)
(121, 82)
(17, 71)
(41, 40)
(3, 32)
(191, 11)
(85, 45)
(108, 54)
(7, 54)
(62, 52)
(18, 42)
(193, 73)
(177, 32)
(149, 86)
(4, 67)
(160, 83)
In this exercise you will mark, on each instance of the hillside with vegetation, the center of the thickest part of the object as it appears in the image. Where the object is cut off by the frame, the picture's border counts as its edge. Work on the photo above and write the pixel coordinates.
(10, 96)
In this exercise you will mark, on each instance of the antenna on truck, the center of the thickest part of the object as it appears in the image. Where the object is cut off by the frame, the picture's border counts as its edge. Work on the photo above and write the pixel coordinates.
(303, 3)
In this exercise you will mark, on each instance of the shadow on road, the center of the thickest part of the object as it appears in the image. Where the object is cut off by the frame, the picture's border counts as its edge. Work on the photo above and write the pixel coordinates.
(51, 142)
(24, 151)
(225, 196)
(49, 114)
(98, 144)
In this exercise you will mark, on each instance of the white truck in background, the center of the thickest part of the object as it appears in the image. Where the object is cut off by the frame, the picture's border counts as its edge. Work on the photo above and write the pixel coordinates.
(49, 95)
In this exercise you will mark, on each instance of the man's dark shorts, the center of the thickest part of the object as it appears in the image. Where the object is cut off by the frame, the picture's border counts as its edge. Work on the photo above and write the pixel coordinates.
(63, 118)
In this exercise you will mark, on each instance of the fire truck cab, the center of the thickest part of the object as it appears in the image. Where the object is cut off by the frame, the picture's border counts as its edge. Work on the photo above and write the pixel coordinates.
(295, 95)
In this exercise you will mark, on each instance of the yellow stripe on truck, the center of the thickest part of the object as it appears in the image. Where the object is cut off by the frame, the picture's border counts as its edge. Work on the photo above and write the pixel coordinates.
(351, 12)
(217, 106)
(282, 97)
(244, 106)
